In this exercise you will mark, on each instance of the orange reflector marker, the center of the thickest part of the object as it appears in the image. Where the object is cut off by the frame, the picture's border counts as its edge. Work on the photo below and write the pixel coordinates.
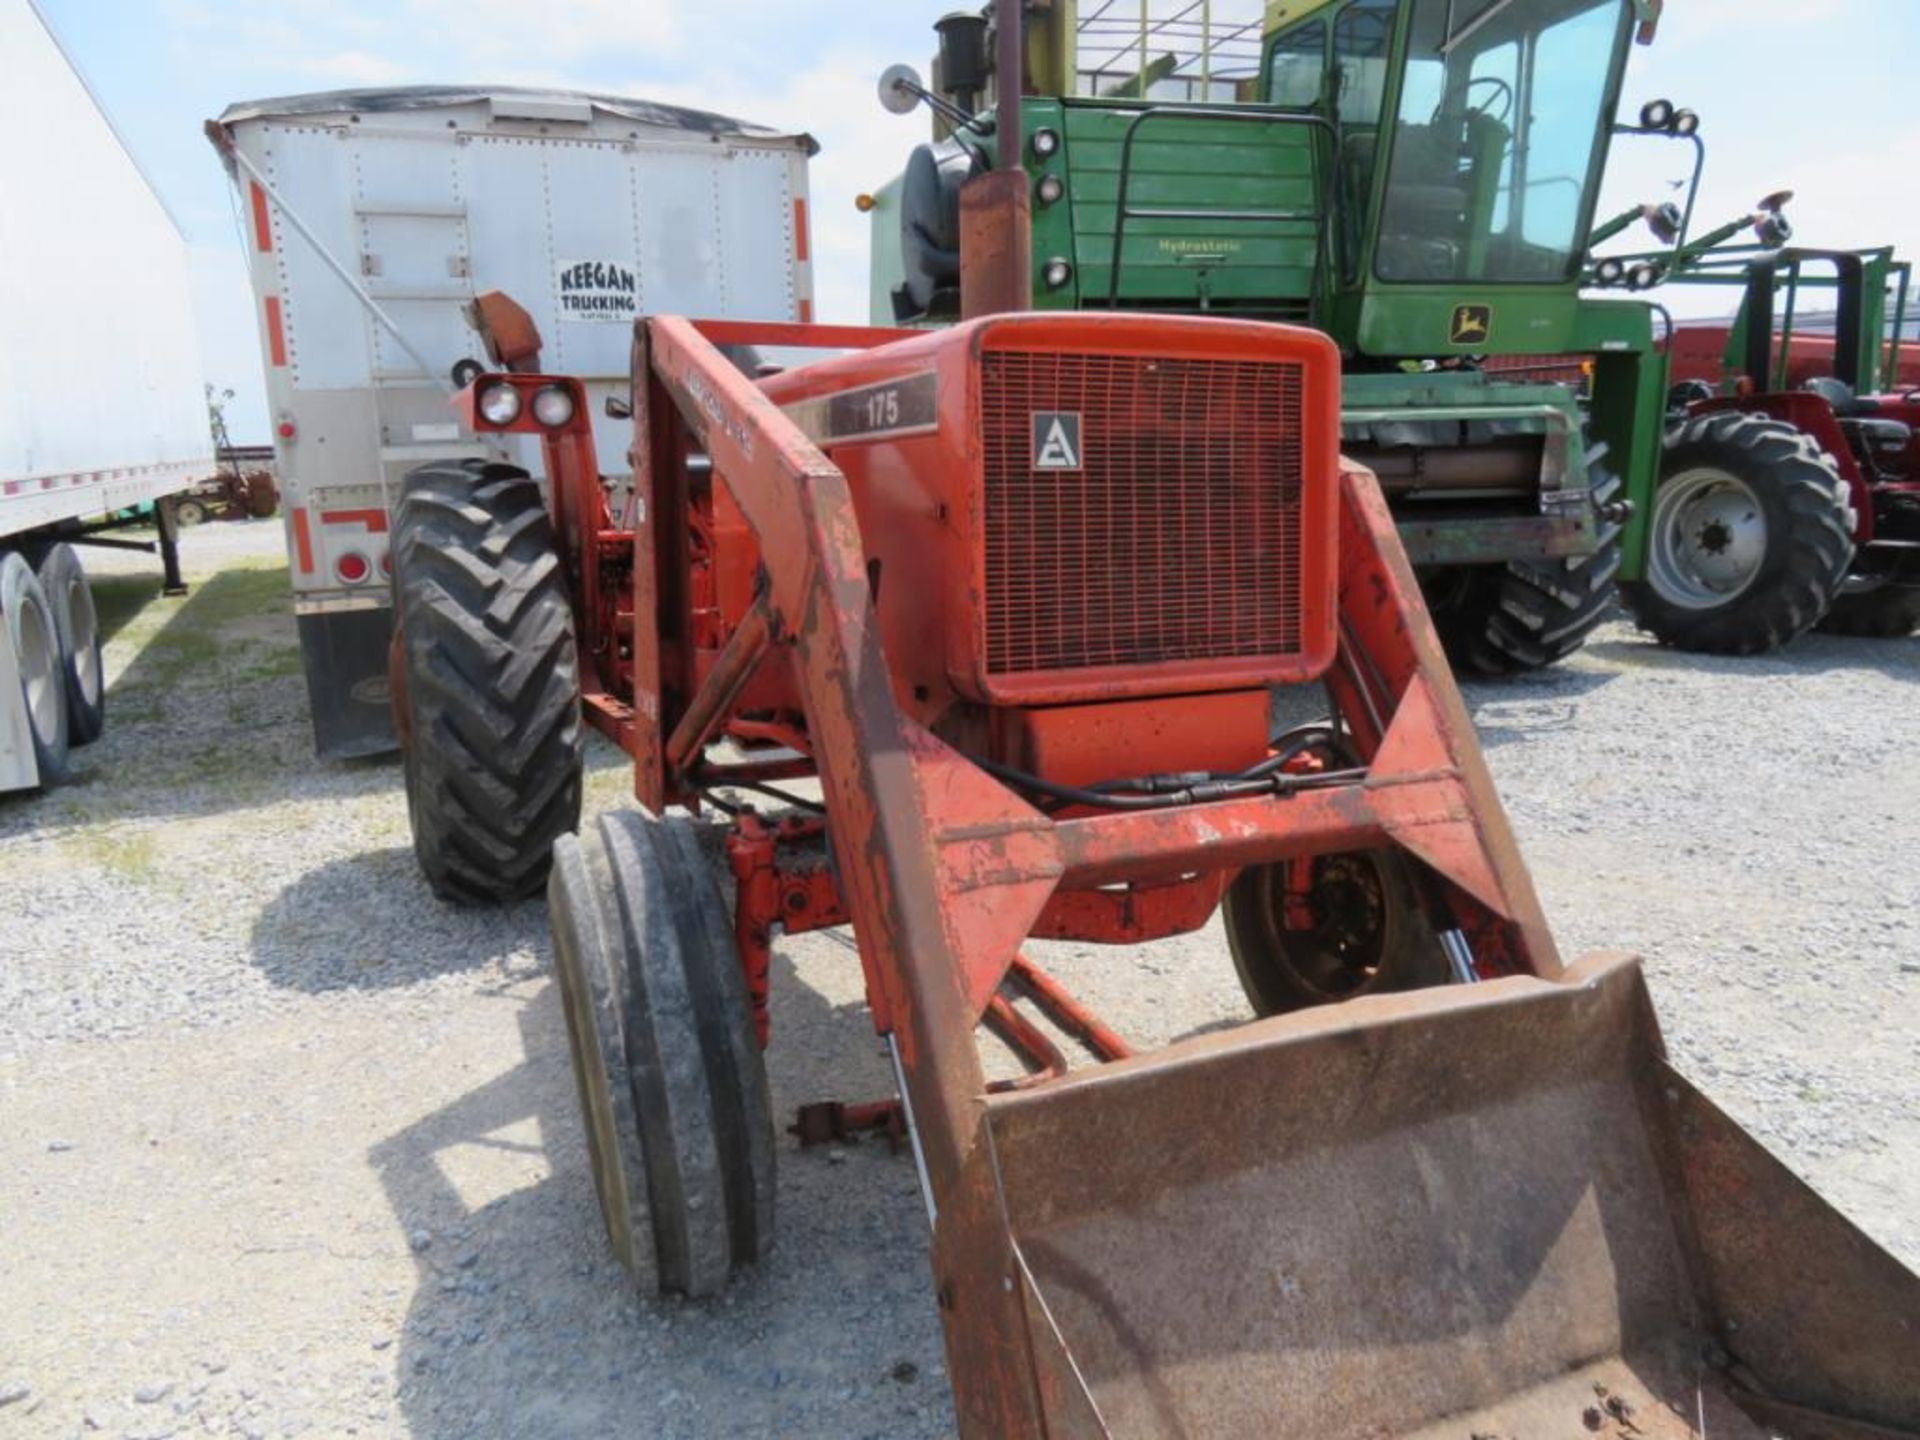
(302, 540)
(374, 519)
(276, 332)
(262, 225)
(801, 245)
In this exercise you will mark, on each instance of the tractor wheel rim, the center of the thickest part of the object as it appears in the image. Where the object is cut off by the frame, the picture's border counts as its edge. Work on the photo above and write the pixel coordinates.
(1341, 953)
(1709, 539)
(40, 670)
(85, 627)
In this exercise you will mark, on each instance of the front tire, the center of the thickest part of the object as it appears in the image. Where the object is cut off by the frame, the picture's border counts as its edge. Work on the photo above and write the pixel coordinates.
(1529, 614)
(1357, 930)
(489, 686)
(1749, 539)
(672, 1086)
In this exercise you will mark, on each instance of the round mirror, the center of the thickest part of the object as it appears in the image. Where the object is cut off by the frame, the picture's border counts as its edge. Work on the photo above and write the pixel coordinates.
(900, 89)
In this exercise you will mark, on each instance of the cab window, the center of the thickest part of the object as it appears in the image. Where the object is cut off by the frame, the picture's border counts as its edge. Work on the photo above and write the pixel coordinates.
(1297, 67)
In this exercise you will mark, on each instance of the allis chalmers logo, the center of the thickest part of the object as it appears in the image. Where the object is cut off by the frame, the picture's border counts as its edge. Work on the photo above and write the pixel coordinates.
(1056, 440)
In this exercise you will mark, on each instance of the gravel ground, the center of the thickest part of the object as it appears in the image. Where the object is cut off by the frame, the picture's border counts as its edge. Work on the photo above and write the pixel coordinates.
(288, 1147)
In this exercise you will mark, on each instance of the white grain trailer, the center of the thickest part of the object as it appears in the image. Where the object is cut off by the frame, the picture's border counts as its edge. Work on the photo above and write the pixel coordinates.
(374, 217)
(101, 400)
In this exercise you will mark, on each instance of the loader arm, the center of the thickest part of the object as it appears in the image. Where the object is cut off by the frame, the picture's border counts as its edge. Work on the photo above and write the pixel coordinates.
(943, 869)
(1490, 1207)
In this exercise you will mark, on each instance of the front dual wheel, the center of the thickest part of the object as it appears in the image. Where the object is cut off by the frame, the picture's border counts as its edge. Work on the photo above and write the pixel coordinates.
(672, 1087)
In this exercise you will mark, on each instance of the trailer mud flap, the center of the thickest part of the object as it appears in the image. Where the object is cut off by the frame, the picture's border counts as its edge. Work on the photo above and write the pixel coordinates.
(1468, 1211)
(345, 655)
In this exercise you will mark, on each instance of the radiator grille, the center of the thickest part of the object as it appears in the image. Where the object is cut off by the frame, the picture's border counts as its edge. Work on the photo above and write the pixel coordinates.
(1178, 538)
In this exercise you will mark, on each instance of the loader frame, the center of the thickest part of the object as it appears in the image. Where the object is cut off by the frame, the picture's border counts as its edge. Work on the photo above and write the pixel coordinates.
(942, 870)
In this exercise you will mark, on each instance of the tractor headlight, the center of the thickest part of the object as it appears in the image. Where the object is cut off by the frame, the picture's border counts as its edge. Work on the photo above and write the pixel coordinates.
(1050, 189)
(1685, 122)
(1656, 114)
(553, 406)
(1609, 272)
(500, 404)
(1056, 272)
(1046, 143)
(1643, 276)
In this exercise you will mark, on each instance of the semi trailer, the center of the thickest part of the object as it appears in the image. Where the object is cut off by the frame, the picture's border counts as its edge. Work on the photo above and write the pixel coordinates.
(374, 219)
(102, 415)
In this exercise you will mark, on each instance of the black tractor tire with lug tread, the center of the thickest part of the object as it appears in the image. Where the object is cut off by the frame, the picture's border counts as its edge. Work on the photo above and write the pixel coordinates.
(1885, 612)
(78, 626)
(490, 679)
(1528, 614)
(672, 1085)
(36, 650)
(1749, 539)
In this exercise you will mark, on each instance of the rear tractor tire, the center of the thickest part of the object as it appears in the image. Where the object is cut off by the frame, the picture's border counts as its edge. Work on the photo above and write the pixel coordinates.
(36, 648)
(1749, 539)
(487, 685)
(1526, 615)
(673, 1091)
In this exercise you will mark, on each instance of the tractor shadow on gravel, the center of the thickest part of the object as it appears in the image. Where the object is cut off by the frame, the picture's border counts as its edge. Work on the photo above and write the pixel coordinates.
(314, 936)
(523, 1323)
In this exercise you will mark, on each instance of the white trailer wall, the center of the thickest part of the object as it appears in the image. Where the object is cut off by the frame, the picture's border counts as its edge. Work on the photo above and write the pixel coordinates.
(587, 210)
(99, 370)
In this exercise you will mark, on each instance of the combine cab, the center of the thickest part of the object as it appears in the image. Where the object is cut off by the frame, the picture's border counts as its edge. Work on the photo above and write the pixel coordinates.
(1416, 179)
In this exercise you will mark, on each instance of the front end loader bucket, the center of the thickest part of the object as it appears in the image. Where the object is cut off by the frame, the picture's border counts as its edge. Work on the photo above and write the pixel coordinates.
(1489, 1212)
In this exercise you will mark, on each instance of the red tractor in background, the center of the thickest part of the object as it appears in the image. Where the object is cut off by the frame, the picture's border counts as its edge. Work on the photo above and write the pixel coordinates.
(1850, 394)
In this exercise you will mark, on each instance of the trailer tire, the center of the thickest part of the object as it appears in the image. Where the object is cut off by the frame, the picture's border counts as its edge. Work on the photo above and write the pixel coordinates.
(36, 648)
(488, 684)
(1884, 612)
(634, 902)
(1369, 934)
(1528, 614)
(1750, 537)
(64, 580)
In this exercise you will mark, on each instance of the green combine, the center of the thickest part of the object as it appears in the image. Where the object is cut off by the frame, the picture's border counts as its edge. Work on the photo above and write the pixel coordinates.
(1416, 178)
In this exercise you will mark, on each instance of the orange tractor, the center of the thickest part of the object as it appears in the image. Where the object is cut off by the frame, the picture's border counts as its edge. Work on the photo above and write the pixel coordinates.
(1017, 596)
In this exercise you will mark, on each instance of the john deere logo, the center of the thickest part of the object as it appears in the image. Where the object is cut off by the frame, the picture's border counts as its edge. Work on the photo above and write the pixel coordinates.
(1056, 440)
(1472, 324)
